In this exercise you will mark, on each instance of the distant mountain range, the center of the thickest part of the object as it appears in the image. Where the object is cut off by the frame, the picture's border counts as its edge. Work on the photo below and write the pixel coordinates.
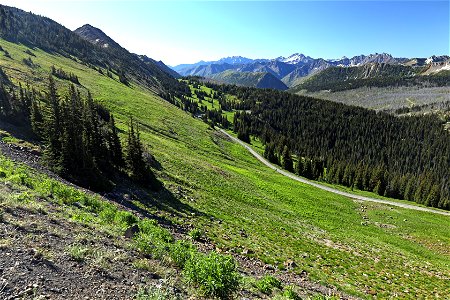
(292, 70)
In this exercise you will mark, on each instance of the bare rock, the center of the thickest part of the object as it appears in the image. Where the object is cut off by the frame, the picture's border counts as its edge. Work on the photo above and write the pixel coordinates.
(290, 264)
(131, 231)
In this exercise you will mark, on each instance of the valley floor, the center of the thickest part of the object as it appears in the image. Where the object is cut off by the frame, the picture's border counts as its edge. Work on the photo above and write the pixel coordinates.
(330, 189)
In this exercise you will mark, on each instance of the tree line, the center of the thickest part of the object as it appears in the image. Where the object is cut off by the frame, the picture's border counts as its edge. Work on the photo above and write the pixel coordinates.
(399, 157)
(337, 79)
(61, 74)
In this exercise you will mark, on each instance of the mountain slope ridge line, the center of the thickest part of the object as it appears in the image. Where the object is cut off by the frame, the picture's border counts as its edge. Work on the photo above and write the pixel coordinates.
(326, 188)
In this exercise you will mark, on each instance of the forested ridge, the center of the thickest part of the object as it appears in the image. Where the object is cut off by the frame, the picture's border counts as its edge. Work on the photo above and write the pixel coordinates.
(337, 79)
(399, 157)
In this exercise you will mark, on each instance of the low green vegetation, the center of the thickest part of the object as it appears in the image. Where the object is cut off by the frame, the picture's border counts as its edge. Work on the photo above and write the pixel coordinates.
(289, 293)
(78, 252)
(154, 293)
(195, 234)
(219, 187)
(266, 284)
(213, 274)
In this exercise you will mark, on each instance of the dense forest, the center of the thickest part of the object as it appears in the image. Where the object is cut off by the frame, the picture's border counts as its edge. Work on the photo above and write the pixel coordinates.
(79, 136)
(399, 157)
(337, 79)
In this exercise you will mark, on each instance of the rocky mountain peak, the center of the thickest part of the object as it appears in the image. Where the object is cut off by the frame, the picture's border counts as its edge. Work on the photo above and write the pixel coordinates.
(95, 36)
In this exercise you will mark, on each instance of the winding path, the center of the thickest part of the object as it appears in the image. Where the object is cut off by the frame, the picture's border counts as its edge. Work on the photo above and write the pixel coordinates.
(330, 189)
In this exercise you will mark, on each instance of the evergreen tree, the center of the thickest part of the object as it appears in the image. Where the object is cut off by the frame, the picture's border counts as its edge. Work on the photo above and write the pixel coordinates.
(36, 117)
(434, 196)
(243, 135)
(299, 167)
(114, 145)
(307, 168)
(53, 126)
(137, 167)
(287, 163)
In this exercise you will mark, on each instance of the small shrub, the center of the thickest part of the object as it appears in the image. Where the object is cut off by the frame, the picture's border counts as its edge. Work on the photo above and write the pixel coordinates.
(214, 274)
(78, 252)
(180, 252)
(154, 293)
(152, 239)
(28, 61)
(142, 264)
(266, 284)
(29, 53)
(125, 218)
(21, 178)
(150, 227)
(323, 297)
(289, 293)
(2, 216)
(23, 197)
(195, 234)
(100, 258)
(154, 247)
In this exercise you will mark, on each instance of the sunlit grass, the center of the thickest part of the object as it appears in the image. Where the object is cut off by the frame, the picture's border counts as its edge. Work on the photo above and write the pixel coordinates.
(332, 238)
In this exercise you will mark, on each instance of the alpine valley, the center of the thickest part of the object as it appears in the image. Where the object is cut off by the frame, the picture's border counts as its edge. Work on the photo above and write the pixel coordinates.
(287, 178)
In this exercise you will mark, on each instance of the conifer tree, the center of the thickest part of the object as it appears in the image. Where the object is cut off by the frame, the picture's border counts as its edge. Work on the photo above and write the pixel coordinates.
(53, 125)
(114, 145)
(299, 167)
(307, 168)
(287, 159)
(137, 168)
(36, 117)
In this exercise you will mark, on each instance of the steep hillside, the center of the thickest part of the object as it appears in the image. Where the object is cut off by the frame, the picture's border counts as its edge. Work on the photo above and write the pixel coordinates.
(398, 100)
(160, 64)
(35, 31)
(99, 38)
(251, 79)
(207, 70)
(309, 238)
(376, 75)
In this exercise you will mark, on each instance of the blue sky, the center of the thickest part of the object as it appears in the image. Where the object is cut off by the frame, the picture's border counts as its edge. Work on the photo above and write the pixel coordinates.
(188, 31)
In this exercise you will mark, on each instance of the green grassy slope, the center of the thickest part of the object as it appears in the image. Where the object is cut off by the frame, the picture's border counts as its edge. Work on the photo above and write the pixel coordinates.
(359, 248)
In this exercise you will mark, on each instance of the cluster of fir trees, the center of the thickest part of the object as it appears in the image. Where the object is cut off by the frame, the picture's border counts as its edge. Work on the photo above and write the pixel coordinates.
(187, 103)
(61, 74)
(214, 117)
(14, 107)
(82, 141)
(338, 143)
(79, 136)
(240, 126)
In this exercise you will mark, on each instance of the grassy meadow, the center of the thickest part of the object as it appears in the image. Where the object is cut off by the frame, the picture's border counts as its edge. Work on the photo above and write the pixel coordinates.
(363, 249)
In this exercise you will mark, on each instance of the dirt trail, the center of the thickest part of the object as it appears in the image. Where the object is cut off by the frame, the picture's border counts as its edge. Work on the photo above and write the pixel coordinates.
(330, 189)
